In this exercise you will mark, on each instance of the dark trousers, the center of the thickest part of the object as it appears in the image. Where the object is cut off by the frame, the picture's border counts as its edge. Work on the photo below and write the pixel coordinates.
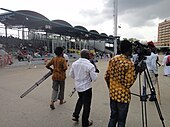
(118, 113)
(84, 101)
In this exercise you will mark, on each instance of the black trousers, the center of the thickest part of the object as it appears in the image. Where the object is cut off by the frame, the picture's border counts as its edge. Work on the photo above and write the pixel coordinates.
(84, 101)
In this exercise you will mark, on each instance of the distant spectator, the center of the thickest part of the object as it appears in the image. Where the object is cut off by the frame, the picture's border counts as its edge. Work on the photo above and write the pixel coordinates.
(166, 68)
(29, 59)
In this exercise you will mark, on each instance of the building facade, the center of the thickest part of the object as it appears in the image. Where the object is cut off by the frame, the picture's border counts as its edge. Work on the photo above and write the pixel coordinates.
(164, 33)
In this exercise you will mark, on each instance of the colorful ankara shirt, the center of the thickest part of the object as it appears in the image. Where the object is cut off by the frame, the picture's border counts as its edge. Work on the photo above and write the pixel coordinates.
(120, 75)
(60, 67)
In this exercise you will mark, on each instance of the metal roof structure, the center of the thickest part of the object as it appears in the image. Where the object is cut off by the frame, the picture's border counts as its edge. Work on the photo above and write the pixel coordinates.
(61, 27)
(24, 19)
(81, 32)
(33, 20)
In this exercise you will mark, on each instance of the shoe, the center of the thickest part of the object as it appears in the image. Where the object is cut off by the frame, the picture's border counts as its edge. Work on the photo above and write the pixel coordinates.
(52, 106)
(62, 102)
(90, 123)
(75, 119)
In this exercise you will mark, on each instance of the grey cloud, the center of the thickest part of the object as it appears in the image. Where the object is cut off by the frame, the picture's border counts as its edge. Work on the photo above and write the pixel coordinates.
(136, 13)
(142, 13)
(94, 17)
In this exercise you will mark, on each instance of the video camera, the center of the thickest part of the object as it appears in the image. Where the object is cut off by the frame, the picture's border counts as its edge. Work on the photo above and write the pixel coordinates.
(140, 49)
(140, 53)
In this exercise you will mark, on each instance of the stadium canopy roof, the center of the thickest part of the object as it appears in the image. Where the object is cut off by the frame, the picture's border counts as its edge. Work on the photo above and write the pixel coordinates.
(33, 20)
(24, 19)
(61, 27)
(81, 32)
(93, 34)
(104, 36)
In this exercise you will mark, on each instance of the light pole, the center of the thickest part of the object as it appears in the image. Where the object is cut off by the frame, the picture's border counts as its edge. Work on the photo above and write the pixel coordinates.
(115, 12)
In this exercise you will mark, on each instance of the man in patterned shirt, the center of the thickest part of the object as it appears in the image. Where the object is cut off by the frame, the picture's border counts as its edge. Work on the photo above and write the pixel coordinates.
(120, 76)
(58, 76)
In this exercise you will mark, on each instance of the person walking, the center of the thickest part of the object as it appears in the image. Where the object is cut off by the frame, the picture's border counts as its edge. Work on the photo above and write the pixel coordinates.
(120, 76)
(83, 72)
(58, 76)
(166, 68)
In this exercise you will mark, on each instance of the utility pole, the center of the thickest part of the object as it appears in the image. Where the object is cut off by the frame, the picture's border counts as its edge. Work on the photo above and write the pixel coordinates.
(115, 12)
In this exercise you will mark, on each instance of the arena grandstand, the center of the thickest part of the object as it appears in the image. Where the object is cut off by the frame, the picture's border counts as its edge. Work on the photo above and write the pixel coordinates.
(37, 34)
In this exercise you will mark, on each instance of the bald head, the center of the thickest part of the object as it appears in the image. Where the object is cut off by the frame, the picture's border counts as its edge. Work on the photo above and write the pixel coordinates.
(84, 53)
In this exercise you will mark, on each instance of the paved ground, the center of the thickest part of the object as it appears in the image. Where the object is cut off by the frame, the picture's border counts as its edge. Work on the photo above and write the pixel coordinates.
(33, 110)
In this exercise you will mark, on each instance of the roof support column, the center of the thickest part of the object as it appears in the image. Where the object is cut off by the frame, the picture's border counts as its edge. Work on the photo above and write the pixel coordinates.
(23, 37)
(6, 32)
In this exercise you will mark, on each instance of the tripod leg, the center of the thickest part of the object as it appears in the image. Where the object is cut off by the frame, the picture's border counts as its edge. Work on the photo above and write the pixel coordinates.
(159, 96)
(154, 94)
(143, 99)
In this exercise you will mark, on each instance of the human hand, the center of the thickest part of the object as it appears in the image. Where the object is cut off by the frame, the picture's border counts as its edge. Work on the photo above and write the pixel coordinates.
(97, 70)
(51, 70)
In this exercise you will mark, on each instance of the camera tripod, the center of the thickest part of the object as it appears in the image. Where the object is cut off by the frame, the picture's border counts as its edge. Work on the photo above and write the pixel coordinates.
(144, 96)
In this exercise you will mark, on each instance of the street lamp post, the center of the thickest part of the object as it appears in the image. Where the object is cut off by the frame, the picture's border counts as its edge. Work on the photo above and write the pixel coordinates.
(115, 11)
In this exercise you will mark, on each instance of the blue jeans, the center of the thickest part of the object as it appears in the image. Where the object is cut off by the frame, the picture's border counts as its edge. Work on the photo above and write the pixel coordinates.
(118, 113)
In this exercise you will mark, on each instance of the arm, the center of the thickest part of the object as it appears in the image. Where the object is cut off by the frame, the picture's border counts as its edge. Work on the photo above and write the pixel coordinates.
(96, 69)
(107, 75)
(93, 74)
(130, 76)
(64, 65)
(49, 64)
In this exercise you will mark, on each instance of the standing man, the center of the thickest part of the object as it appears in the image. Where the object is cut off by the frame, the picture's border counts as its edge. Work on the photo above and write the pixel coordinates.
(151, 63)
(120, 76)
(83, 72)
(58, 76)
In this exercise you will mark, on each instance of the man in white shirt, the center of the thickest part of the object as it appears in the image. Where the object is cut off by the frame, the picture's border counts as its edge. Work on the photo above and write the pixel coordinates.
(83, 72)
(151, 62)
(66, 58)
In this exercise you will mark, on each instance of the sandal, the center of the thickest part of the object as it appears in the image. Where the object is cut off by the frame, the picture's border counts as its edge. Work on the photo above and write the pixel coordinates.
(52, 106)
(62, 102)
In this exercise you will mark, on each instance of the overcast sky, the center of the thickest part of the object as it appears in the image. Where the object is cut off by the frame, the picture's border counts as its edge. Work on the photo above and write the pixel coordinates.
(137, 18)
